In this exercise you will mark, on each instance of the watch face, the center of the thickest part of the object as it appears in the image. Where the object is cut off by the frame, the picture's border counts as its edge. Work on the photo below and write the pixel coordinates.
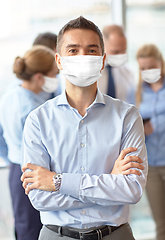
(58, 176)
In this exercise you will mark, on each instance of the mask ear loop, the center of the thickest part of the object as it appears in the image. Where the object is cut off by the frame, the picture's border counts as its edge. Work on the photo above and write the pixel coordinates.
(103, 62)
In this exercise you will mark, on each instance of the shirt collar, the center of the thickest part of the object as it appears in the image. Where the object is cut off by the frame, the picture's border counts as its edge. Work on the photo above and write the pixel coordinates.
(62, 100)
(99, 98)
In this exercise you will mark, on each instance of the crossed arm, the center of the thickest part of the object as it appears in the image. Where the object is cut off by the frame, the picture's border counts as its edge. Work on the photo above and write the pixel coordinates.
(124, 185)
(42, 179)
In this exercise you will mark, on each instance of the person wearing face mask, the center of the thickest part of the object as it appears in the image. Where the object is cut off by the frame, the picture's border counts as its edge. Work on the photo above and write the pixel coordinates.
(37, 70)
(150, 100)
(86, 150)
(49, 40)
(117, 79)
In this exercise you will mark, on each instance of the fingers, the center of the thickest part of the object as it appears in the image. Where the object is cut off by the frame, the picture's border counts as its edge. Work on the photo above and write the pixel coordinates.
(124, 152)
(27, 175)
(132, 159)
(26, 182)
(128, 165)
(131, 171)
(133, 165)
(28, 166)
(29, 188)
(29, 184)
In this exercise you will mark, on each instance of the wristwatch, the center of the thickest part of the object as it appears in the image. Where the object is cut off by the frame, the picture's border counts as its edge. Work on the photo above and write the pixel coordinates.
(57, 178)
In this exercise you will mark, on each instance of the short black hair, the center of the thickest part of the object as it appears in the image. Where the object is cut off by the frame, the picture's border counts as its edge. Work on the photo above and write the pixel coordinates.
(80, 23)
(47, 39)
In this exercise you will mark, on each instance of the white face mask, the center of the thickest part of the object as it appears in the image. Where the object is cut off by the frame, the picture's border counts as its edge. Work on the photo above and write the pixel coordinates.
(50, 85)
(82, 70)
(151, 75)
(116, 60)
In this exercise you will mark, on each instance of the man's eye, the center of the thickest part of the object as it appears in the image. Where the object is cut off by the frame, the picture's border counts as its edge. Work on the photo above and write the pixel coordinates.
(92, 51)
(72, 50)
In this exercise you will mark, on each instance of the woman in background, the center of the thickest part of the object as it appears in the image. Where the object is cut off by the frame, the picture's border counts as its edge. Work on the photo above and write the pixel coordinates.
(37, 70)
(151, 102)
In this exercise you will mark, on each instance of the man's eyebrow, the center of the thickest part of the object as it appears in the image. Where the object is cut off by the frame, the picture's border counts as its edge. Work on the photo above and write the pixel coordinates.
(72, 45)
(93, 45)
(78, 45)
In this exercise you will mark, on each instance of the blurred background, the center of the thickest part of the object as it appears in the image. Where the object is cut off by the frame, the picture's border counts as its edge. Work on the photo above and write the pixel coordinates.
(20, 23)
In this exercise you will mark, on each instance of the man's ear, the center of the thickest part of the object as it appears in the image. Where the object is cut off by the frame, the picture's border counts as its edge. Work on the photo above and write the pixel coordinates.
(58, 61)
(104, 58)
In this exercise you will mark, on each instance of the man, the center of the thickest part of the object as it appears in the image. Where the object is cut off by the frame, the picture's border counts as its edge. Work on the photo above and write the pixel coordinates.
(47, 39)
(117, 79)
(83, 187)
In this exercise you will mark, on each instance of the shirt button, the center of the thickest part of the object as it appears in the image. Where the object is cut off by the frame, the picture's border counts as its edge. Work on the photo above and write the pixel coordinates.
(82, 121)
(83, 212)
(82, 145)
(82, 168)
(93, 201)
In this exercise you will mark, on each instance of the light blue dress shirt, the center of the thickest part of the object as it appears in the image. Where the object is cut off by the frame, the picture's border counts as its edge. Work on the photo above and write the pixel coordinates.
(84, 149)
(153, 107)
(15, 105)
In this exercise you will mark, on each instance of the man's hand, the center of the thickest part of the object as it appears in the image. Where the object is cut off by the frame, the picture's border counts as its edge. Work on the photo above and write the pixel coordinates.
(39, 178)
(148, 129)
(125, 165)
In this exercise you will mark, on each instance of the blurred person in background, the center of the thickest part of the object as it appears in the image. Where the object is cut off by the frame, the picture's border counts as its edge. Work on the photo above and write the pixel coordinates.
(49, 40)
(150, 99)
(117, 79)
(37, 70)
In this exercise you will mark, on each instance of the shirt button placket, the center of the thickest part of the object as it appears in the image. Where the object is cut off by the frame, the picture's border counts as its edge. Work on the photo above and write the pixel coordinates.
(82, 139)
(83, 211)
(82, 168)
(82, 145)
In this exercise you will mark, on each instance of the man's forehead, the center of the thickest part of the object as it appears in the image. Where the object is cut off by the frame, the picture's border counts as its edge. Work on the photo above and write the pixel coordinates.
(117, 39)
(80, 36)
(118, 42)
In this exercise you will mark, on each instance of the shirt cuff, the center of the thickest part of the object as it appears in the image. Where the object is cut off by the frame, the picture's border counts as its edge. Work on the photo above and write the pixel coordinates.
(70, 184)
